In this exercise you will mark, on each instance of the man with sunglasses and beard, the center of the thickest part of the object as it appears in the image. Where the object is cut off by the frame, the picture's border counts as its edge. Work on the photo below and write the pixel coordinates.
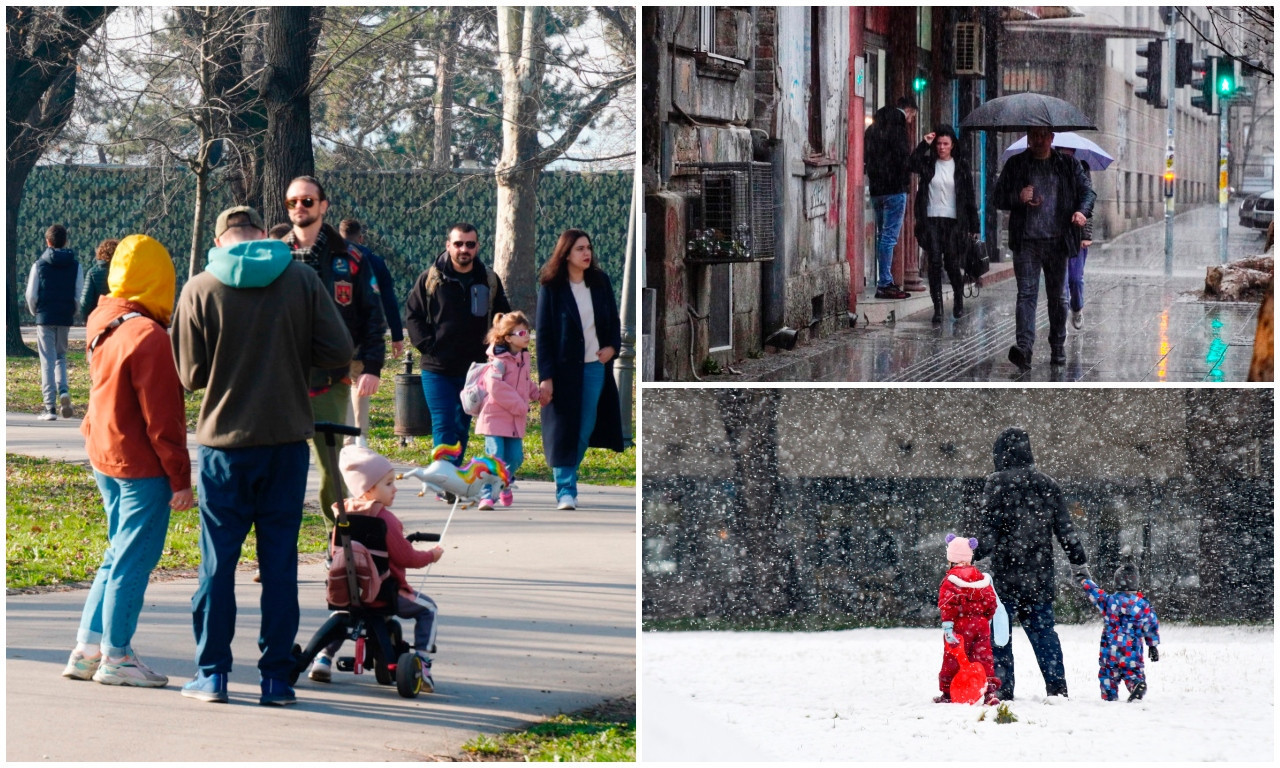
(448, 313)
(348, 280)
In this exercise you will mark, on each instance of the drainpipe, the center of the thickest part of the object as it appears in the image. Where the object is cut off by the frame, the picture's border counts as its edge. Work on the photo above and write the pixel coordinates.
(773, 274)
(853, 241)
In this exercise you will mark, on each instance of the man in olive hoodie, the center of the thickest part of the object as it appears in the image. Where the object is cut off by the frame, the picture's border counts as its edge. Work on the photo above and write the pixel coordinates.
(248, 331)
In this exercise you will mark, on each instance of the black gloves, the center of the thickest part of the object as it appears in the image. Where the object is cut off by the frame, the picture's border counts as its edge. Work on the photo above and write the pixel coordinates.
(1155, 654)
(1081, 572)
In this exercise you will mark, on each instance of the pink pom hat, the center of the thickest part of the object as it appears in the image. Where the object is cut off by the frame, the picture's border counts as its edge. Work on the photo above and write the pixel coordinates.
(960, 550)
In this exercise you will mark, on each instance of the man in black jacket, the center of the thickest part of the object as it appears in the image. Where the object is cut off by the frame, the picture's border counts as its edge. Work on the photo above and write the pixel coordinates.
(448, 314)
(1048, 198)
(53, 284)
(349, 282)
(886, 147)
(1023, 511)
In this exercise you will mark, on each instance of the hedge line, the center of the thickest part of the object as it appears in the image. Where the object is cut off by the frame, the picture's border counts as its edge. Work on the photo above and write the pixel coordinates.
(405, 213)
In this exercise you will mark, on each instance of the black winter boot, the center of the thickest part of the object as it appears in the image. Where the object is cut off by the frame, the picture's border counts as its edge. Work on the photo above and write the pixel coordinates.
(958, 295)
(937, 311)
(1139, 691)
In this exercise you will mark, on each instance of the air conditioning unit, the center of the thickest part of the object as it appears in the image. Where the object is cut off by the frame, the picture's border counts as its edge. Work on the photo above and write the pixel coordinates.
(970, 48)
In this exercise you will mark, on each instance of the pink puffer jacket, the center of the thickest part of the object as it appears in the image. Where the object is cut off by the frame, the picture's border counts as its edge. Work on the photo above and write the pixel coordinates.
(506, 409)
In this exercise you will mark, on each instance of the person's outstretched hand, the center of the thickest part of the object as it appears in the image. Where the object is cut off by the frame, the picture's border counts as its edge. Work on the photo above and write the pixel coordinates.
(1081, 572)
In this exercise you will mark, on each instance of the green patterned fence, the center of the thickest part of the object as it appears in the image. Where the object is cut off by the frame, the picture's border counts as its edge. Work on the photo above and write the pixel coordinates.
(406, 213)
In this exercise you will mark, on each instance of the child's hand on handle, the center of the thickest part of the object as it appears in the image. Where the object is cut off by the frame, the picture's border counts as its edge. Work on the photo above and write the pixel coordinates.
(1155, 654)
(437, 552)
(949, 633)
(1081, 572)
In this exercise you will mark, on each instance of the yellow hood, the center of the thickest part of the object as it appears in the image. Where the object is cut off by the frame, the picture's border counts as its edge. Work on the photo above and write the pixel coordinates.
(142, 272)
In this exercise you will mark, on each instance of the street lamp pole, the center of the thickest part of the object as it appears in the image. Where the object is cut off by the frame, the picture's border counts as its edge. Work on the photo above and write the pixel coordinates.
(1170, 80)
(1222, 177)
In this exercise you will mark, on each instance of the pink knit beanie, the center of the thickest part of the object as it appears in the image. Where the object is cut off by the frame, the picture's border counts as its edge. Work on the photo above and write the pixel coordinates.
(361, 468)
(960, 550)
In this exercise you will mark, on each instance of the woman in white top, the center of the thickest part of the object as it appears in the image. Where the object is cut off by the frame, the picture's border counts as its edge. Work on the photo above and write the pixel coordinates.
(578, 334)
(946, 213)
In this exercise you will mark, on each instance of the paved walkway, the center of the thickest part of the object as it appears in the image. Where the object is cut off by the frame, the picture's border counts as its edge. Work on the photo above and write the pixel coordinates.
(537, 612)
(1139, 325)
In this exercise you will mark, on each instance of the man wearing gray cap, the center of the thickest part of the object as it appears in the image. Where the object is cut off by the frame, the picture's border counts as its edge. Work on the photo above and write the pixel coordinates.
(248, 330)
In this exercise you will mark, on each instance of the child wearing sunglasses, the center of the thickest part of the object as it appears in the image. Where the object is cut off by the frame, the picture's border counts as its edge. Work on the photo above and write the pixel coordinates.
(509, 389)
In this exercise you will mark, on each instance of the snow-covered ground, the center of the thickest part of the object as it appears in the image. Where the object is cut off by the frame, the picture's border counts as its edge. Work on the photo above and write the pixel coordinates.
(866, 694)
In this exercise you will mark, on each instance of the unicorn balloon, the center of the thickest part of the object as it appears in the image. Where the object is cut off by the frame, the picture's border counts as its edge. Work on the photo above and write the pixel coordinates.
(466, 482)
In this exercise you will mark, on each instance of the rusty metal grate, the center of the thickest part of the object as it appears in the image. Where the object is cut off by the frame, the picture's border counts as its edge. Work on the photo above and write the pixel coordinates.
(731, 214)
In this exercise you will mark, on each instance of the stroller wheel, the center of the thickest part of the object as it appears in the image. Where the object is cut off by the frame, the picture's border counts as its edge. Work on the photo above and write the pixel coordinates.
(409, 675)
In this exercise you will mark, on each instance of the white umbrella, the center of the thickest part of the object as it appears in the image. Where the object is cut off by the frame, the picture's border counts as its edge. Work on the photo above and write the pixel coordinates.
(1087, 152)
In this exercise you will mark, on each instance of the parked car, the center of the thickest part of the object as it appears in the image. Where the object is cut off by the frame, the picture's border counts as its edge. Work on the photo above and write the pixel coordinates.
(1246, 210)
(1264, 210)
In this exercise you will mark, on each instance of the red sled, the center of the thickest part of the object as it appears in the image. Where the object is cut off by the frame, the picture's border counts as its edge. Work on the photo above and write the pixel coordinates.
(970, 682)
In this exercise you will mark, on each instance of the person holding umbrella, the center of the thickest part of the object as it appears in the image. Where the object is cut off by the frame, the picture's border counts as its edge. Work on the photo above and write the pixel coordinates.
(1049, 200)
(946, 213)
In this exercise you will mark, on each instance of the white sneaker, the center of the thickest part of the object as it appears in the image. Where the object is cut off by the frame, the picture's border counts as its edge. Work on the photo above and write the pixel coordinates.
(80, 667)
(1077, 318)
(64, 402)
(567, 502)
(47, 415)
(321, 669)
(129, 671)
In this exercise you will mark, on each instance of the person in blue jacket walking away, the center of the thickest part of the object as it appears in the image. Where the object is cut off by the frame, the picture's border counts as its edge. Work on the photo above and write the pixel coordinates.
(1128, 624)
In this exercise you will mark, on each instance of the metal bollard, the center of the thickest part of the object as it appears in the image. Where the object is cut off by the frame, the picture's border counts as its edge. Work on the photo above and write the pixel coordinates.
(413, 418)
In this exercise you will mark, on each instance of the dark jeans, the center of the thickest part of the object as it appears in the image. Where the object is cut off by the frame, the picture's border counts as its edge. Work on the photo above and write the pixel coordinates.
(943, 242)
(449, 423)
(260, 487)
(1035, 257)
(1037, 621)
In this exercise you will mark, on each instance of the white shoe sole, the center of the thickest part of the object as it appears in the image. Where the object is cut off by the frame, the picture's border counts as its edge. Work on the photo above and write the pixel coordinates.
(138, 682)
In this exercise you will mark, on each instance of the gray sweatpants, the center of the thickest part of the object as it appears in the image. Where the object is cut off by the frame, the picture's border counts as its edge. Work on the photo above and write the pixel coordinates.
(51, 343)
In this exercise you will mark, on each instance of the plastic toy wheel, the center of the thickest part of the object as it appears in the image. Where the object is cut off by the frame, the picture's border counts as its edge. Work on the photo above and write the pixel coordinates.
(382, 672)
(409, 675)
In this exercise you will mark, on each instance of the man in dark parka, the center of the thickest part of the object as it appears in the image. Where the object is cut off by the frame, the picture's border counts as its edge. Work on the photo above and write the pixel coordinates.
(1023, 511)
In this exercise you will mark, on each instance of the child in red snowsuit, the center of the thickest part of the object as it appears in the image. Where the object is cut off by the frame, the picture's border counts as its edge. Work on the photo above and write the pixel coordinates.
(967, 601)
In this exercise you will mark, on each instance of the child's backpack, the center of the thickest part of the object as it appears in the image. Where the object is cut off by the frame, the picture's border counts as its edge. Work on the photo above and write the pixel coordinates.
(473, 390)
(368, 578)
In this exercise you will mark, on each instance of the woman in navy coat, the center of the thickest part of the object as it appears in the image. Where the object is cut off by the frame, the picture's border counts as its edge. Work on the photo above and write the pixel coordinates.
(579, 334)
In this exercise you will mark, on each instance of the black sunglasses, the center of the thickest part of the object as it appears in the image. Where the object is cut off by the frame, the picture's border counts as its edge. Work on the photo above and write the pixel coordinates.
(464, 243)
(292, 202)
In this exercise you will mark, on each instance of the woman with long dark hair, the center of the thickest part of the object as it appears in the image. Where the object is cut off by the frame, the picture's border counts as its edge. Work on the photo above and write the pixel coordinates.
(578, 335)
(946, 213)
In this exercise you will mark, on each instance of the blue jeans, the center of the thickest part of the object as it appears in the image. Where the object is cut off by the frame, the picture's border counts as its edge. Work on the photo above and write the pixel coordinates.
(510, 450)
(1075, 279)
(260, 487)
(1037, 621)
(592, 385)
(889, 210)
(449, 423)
(137, 521)
(1035, 257)
(51, 343)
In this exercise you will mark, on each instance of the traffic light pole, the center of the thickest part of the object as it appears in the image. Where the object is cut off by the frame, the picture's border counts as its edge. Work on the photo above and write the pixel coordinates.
(1222, 178)
(1170, 185)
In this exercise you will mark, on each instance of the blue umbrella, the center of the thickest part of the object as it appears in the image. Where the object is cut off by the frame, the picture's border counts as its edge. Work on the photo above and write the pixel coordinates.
(1087, 152)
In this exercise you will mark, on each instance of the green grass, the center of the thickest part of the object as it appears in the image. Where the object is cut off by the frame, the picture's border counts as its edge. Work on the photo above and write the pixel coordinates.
(602, 734)
(57, 531)
(599, 467)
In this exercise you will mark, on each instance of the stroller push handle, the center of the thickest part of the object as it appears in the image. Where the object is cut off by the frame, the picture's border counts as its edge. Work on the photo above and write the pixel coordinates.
(331, 430)
(420, 536)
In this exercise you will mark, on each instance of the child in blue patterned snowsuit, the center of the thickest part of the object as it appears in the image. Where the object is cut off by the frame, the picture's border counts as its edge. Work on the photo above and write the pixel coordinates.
(1128, 622)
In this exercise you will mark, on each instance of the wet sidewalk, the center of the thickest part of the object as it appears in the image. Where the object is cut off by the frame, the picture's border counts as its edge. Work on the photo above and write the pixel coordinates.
(1139, 325)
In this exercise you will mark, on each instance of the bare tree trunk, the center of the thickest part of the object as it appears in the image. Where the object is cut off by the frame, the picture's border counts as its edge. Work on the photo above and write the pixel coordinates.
(446, 59)
(750, 419)
(521, 59)
(201, 170)
(290, 41)
(40, 89)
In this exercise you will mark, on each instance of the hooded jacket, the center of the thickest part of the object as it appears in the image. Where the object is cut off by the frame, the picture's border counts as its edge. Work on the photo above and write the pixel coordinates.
(53, 284)
(136, 425)
(95, 287)
(248, 330)
(448, 324)
(1023, 511)
(506, 408)
(886, 148)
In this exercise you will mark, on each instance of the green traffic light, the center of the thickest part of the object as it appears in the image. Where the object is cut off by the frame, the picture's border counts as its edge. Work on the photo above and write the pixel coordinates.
(919, 84)
(1226, 85)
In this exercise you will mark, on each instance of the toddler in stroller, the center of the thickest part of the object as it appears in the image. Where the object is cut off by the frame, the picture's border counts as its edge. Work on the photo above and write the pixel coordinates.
(370, 478)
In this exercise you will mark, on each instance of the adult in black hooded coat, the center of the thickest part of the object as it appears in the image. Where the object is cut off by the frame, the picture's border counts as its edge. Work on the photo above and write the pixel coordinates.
(579, 334)
(1023, 511)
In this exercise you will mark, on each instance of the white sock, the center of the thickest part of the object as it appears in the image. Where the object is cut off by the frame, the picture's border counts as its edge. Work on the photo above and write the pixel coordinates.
(88, 650)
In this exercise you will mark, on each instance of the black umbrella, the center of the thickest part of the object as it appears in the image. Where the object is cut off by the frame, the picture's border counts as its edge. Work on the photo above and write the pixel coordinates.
(1023, 111)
